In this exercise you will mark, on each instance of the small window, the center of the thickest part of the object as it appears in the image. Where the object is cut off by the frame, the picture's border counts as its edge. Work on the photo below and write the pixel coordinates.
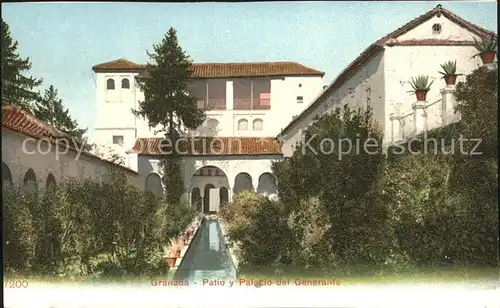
(200, 104)
(436, 28)
(217, 172)
(125, 83)
(257, 124)
(118, 140)
(300, 85)
(242, 124)
(300, 99)
(209, 171)
(110, 84)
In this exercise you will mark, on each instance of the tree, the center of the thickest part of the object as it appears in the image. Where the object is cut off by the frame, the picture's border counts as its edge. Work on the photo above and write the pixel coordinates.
(50, 109)
(17, 89)
(478, 106)
(167, 102)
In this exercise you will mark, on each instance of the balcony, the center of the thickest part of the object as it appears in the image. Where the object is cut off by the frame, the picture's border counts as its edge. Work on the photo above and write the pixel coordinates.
(212, 104)
(247, 94)
(251, 104)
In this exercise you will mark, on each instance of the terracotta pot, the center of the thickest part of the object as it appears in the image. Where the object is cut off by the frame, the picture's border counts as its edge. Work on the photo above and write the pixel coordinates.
(450, 80)
(488, 57)
(421, 95)
(170, 261)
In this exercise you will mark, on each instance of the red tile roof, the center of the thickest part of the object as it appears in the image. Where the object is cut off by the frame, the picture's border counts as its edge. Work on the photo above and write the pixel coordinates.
(207, 146)
(16, 119)
(390, 40)
(218, 70)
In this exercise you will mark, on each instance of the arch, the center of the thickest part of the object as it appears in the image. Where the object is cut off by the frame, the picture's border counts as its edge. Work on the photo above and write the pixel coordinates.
(51, 182)
(258, 124)
(125, 83)
(224, 196)
(243, 181)
(243, 124)
(6, 175)
(196, 198)
(212, 125)
(29, 181)
(267, 184)
(206, 198)
(110, 84)
(153, 184)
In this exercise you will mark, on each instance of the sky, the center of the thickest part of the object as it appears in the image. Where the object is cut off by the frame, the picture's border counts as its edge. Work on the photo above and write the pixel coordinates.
(64, 40)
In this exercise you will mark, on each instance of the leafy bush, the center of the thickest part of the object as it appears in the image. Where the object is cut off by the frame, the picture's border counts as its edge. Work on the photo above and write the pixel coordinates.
(18, 229)
(256, 225)
(90, 228)
(310, 227)
(367, 212)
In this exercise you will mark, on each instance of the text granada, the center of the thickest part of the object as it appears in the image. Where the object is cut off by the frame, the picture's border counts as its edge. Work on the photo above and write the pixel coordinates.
(170, 283)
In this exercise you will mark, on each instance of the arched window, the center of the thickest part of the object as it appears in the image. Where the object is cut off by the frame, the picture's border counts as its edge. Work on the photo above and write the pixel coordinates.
(29, 182)
(257, 124)
(6, 175)
(51, 182)
(125, 83)
(267, 184)
(243, 181)
(153, 184)
(243, 124)
(110, 84)
(212, 125)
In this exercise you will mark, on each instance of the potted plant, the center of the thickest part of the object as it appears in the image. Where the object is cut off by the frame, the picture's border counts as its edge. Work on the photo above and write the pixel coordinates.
(449, 72)
(421, 86)
(487, 49)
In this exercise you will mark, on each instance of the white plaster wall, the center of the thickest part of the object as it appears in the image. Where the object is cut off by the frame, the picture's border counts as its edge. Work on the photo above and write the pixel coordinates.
(114, 116)
(60, 166)
(449, 31)
(404, 62)
(284, 94)
(364, 88)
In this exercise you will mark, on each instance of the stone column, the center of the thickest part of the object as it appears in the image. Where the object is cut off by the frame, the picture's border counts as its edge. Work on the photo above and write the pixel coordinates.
(255, 182)
(419, 117)
(186, 196)
(229, 95)
(395, 128)
(449, 103)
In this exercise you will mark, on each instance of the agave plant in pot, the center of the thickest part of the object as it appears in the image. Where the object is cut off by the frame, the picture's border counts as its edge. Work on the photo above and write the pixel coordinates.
(449, 72)
(487, 49)
(421, 86)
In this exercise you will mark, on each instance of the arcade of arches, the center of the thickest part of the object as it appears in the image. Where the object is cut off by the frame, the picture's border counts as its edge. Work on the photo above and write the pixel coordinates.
(29, 180)
(210, 187)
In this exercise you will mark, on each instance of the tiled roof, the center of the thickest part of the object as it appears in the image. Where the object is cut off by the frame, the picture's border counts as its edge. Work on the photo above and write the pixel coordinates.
(210, 146)
(16, 119)
(390, 40)
(218, 70)
(19, 120)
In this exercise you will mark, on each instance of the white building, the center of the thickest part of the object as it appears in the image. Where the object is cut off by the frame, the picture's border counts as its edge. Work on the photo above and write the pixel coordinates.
(31, 156)
(246, 105)
(379, 77)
